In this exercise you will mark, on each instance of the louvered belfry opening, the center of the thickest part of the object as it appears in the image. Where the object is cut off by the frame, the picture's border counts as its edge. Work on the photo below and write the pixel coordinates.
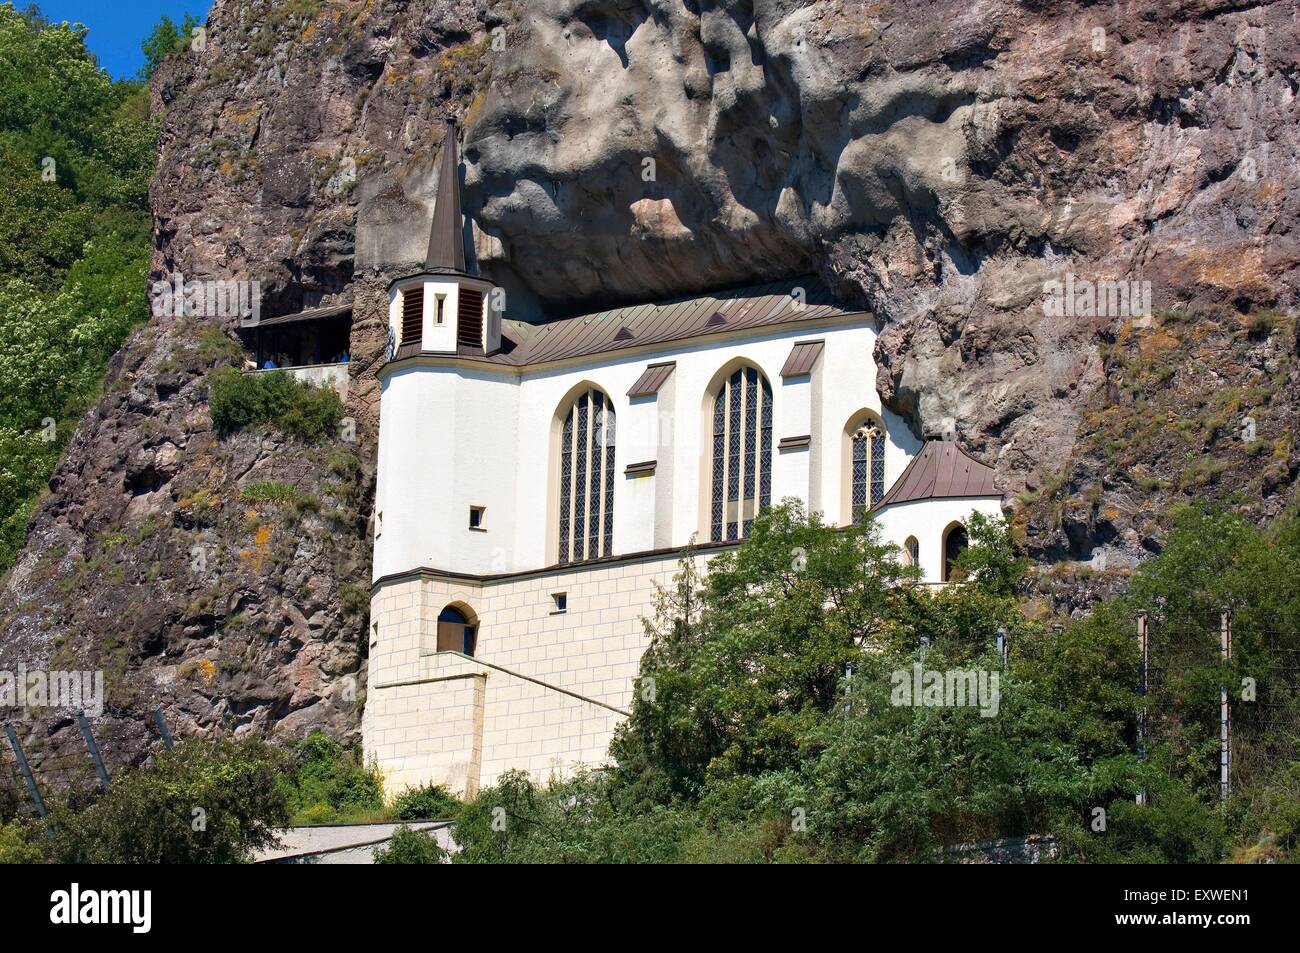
(469, 318)
(868, 469)
(412, 313)
(586, 520)
(742, 453)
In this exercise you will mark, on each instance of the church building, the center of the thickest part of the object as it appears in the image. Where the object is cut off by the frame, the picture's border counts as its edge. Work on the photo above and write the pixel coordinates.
(536, 481)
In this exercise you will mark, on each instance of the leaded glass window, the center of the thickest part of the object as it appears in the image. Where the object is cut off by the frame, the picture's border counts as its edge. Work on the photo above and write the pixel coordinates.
(586, 512)
(868, 468)
(741, 482)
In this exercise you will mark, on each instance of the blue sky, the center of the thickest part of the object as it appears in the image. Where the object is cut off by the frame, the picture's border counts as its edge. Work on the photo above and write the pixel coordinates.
(117, 27)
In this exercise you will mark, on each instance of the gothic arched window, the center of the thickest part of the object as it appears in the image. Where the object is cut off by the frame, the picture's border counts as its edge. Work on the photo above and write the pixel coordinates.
(866, 467)
(586, 513)
(955, 542)
(741, 483)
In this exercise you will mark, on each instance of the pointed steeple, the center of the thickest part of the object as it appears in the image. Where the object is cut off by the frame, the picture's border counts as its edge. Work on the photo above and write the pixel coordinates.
(446, 244)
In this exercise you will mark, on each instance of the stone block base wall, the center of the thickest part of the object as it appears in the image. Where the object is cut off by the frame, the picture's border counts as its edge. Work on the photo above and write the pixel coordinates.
(543, 692)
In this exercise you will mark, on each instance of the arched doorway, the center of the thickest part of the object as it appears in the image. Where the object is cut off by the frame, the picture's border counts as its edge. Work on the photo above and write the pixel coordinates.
(954, 542)
(456, 631)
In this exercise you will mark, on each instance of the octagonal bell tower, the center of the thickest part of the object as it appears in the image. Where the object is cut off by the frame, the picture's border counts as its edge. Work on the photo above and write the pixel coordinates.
(444, 308)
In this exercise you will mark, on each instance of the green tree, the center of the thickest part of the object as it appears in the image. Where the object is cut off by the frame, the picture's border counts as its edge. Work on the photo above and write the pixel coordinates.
(165, 40)
(741, 666)
(212, 802)
(76, 155)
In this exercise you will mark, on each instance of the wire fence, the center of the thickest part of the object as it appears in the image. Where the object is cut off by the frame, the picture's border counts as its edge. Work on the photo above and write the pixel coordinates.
(1222, 698)
(65, 758)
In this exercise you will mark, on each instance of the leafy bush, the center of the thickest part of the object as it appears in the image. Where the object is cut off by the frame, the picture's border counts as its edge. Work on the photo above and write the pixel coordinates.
(19, 845)
(202, 802)
(411, 847)
(329, 784)
(313, 415)
(238, 400)
(428, 802)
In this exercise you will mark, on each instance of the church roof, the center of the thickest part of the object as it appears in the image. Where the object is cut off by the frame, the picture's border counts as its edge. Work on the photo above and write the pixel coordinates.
(446, 239)
(941, 469)
(615, 329)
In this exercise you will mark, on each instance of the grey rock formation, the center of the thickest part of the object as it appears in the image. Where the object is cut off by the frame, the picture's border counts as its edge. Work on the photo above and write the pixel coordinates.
(938, 162)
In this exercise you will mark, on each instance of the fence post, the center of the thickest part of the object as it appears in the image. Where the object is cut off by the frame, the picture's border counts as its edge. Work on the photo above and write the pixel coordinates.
(1143, 658)
(162, 727)
(1225, 716)
(32, 789)
(93, 748)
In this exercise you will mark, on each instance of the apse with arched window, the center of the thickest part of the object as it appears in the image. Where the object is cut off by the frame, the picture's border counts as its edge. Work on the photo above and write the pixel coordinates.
(586, 505)
(456, 633)
(741, 483)
(911, 551)
(866, 455)
(954, 541)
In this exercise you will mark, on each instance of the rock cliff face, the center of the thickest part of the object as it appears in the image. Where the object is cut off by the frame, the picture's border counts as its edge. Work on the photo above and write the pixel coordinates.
(939, 162)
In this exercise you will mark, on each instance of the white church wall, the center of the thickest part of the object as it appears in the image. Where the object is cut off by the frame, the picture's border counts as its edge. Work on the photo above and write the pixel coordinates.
(666, 470)
(484, 437)
(927, 520)
(448, 442)
(791, 469)
(544, 691)
(850, 386)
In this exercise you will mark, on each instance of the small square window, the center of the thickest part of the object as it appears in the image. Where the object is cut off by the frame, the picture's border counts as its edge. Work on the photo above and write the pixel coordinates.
(559, 602)
(476, 518)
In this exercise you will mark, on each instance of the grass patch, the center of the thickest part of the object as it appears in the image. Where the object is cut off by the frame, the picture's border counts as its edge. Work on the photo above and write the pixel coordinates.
(268, 491)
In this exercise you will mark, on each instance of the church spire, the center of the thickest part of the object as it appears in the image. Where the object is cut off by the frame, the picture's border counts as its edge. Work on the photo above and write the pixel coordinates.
(446, 244)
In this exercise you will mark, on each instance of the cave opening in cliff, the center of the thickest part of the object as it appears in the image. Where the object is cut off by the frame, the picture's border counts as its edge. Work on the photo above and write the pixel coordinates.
(304, 339)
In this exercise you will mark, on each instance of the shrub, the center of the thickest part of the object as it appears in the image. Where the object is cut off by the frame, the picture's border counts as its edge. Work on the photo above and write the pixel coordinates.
(331, 784)
(425, 803)
(411, 847)
(314, 414)
(238, 400)
(16, 844)
(201, 802)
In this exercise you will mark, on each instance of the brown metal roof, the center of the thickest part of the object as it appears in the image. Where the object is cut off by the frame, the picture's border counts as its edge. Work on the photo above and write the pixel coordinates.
(802, 358)
(941, 469)
(311, 314)
(679, 319)
(446, 242)
(648, 384)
